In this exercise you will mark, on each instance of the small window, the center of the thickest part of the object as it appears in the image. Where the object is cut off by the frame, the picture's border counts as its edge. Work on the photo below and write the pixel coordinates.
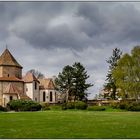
(26, 89)
(8, 75)
(11, 98)
(44, 96)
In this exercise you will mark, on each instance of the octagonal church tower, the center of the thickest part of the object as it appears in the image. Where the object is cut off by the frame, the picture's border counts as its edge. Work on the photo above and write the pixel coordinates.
(11, 83)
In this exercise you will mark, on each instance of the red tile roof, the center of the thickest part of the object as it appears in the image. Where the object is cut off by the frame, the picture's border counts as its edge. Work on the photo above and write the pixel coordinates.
(12, 89)
(7, 59)
(15, 79)
(29, 77)
(46, 84)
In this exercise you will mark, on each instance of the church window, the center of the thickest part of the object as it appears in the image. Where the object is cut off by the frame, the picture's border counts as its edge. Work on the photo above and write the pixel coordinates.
(8, 75)
(50, 96)
(44, 96)
(35, 85)
(11, 98)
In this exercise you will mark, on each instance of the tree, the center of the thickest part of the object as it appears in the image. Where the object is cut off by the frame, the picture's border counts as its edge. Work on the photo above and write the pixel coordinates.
(127, 74)
(112, 61)
(64, 82)
(80, 86)
(37, 74)
(72, 81)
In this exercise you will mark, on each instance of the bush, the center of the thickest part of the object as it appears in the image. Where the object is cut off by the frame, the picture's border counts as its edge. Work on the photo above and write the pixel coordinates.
(80, 105)
(55, 107)
(45, 106)
(96, 108)
(24, 105)
(3, 108)
(70, 105)
(64, 106)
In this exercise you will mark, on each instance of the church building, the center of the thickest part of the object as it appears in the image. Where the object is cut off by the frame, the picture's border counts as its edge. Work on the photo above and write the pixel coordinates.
(13, 86)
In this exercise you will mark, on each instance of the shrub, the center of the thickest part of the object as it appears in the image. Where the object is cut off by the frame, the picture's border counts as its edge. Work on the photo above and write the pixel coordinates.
(80, 105)
(24, 105)
(64, 106)
(114, 105)
(96, 108)
(70, 105)
(3, 108)
(55, 107)
(45, 106)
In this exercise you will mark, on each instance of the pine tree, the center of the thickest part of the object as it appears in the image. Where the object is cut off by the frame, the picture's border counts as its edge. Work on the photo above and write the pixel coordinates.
(72, 81)
(112, 61)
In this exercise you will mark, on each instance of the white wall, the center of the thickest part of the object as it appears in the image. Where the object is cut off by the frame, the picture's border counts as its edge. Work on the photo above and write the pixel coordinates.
(31, 91)
(6, 98)
(47, 97)
(28, 88)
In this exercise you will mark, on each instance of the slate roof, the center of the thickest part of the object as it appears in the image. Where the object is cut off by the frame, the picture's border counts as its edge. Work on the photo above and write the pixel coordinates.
(46, 84)
(6, 59)
(29, 77)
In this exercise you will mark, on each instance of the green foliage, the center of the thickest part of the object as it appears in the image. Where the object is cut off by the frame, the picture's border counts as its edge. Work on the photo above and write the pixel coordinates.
(112, 61)
(3, 108)
(45, 106)
(70, 105)
(55, 107)
(64, 106)
(24, 105)
(127, 74)
(72, 81)
(96, 108)
(80, 105)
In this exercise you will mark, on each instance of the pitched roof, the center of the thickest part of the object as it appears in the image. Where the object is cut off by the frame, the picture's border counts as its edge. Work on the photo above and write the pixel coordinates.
(29, 77)
(9, 79)
(46, 84)
(8, 60)
(12, 89)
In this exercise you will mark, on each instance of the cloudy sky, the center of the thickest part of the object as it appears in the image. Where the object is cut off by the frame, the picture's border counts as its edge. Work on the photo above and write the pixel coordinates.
(47, 36)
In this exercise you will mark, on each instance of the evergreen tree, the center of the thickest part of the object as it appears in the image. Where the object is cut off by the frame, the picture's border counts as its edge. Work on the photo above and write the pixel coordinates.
(72, 81)
(112, 61)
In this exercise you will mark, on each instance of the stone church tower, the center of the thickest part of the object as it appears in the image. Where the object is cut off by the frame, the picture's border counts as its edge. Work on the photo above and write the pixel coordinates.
(11, 83)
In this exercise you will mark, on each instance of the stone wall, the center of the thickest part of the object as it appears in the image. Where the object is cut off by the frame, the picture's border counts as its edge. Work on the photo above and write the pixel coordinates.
(3, 87)
(8, 71)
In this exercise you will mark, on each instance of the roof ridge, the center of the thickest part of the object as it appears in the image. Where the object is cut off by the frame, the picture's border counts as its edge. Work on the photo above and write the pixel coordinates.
(8, 59)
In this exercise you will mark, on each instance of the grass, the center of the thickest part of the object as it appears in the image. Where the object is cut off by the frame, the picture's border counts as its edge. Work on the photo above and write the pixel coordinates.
(70, 124)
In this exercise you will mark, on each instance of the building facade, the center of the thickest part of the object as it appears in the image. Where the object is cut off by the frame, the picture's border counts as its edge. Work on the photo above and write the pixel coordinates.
(13, 86)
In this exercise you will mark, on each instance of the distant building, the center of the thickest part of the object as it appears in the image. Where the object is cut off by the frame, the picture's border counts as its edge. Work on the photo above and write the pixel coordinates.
(13, 86)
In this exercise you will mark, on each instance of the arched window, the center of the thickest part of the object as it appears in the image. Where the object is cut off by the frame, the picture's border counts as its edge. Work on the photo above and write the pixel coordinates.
(44, 96)
(50, 96)
(35, 85)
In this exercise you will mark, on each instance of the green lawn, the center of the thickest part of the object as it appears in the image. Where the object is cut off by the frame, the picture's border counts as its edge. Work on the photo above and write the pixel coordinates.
(70, 124)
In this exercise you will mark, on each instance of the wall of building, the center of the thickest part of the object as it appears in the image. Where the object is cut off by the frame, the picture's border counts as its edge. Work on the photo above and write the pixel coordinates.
(3, 87)
(47, 96)
(6, 98)
(30, 90)
(8, 71)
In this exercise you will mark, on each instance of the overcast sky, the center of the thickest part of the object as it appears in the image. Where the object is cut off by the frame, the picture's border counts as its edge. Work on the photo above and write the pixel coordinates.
(47, 36)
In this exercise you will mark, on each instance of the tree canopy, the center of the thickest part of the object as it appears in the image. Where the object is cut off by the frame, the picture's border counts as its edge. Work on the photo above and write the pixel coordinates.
(112, 61)
(72, 81)
(127, 74)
